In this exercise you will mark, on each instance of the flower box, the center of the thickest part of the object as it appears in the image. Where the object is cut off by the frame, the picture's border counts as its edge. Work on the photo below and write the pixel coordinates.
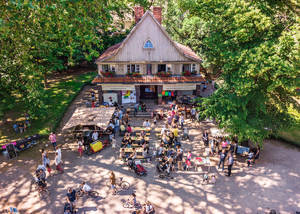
(108, 73)
(133, 74)
(164, 74)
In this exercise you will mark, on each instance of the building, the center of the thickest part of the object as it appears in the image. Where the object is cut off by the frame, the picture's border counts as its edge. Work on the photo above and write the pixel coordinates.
(148, 65)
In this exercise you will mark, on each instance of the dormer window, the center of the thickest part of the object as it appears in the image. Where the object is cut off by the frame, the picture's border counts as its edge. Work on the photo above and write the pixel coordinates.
(148, 44)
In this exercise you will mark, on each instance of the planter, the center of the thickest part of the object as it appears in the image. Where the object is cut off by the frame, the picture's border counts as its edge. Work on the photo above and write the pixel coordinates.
(164, 74)
(108, 73)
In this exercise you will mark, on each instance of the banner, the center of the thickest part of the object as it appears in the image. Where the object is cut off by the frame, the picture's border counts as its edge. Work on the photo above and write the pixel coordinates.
(117, 87)
(179, 87)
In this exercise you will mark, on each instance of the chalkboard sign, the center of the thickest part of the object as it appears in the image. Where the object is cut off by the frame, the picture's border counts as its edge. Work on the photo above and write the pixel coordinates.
(242, 150)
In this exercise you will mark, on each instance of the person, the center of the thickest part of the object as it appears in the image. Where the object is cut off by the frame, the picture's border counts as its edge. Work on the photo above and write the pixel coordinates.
(46, 161)
(122, 129)
(179, 157)
(213, 179)
(16, 127)
(113, 182)
(154, 121)
(188, 160)
(93, 96)
(230, 163)
(185, 133)
(41, 182)
(85, 188)
(181, 121)
(136, 107)
(132, 200)
(222, 159)
(67, 207)
(250, 157)
(212, 146)
(256, 155)
(122, 154)
(27, 119)
(80, 146)
(117, 125)
(58, 163)
(58, 150)
(160, 150)
(148, 208)
(193, 113)
(113, 143)
(129, 129)
(95, 136)
(71, 197)
(21, 127)
(146, 124)
(175, 131)
(205, 138)
(224, 144)
(52, 138)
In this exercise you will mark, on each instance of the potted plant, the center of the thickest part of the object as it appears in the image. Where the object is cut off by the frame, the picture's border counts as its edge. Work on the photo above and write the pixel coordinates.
(164, 73)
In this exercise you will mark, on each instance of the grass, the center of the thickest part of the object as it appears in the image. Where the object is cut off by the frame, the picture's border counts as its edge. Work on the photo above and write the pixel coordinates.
(58, 97)
(292, 135)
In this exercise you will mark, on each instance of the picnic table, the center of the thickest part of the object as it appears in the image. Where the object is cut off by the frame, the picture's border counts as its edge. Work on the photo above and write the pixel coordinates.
(139, 152)
(202, 161)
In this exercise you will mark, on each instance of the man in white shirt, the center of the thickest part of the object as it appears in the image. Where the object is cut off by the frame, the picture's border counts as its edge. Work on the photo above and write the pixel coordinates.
(85, 188)
(95, 135)
(58, 150)
(57, 163)
(146, 124)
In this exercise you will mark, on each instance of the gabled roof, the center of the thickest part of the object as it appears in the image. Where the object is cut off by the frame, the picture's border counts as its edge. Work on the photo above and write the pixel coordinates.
(113, 50)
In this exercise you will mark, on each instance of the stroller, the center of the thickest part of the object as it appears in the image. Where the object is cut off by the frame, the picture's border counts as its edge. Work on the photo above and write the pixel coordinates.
(137, 167)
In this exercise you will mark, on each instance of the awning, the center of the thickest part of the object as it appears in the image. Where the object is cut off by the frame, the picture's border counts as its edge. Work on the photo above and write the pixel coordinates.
(118, 87)
(180, 87)
(90, 116)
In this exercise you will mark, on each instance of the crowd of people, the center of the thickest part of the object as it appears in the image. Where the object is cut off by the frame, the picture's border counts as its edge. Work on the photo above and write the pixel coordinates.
(20, 127)
(168, 154)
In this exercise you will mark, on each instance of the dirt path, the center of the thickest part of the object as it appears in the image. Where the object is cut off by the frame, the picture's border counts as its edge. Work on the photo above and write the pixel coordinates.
(272, 183)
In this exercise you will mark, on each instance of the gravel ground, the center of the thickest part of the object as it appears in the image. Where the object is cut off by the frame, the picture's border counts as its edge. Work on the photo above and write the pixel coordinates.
(273, 183)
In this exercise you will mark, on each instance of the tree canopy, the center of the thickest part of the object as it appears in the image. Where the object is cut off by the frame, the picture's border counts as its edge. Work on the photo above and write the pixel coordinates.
(255, 45)
(41, 37)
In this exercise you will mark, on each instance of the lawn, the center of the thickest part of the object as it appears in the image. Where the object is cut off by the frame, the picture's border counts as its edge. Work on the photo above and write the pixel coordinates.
(58, 97)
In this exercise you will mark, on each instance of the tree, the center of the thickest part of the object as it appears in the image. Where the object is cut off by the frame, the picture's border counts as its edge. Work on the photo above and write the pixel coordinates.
(41, 37)
(256, 44)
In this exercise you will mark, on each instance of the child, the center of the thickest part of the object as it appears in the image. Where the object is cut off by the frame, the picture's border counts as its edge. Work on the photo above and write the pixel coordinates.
(186, 133)
(80, 145)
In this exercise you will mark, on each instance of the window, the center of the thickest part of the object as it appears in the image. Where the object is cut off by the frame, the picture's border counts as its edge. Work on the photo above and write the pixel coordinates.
(113, 68)
(105, 68)
(161, 67)
(186, 67)
(137, 68)
(148, 44)
(133, 68)
(169, 67)
(194, 68)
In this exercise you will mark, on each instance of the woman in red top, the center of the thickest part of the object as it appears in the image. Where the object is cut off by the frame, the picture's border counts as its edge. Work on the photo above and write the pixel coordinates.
(129, 129)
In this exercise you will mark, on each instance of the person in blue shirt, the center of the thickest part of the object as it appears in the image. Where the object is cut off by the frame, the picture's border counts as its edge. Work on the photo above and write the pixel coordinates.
(16, 127)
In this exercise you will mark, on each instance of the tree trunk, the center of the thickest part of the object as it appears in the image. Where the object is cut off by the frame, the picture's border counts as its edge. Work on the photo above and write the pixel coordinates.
(45, 81)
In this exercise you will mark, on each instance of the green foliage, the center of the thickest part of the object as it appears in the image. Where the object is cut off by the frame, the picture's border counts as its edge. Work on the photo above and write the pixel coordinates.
(256, 44)
(56, 100)
(38, 38)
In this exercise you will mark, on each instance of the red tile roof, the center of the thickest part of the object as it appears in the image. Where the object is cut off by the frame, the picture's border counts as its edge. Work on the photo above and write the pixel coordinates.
(149, 79)
(110, 51)
(187, 51)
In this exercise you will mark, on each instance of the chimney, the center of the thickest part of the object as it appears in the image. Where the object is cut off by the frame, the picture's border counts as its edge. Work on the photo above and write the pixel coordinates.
(138, 13)
(157, 13)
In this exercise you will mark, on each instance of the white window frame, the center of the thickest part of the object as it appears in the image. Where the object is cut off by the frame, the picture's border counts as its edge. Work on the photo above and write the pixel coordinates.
(193, 67)
(113, 68)
(146, 47)
(133, 68)
(104, 67)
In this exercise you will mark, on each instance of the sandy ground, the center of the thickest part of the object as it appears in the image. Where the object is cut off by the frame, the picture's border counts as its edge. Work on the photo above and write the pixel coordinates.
(273, 183)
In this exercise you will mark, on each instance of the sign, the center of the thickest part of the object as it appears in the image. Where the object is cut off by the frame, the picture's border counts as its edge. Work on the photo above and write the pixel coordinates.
(110, 97)
(117, 87)
(128, 96)
(179, 87)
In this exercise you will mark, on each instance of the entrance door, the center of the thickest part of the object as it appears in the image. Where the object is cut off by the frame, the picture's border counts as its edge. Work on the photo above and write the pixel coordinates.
(148, 91)
(149, 69)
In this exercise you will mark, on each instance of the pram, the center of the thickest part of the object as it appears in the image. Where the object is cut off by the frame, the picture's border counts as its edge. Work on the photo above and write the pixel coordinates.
(137, 167)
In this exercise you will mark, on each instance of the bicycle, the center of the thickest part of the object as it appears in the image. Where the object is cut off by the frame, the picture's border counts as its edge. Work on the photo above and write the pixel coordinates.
(92, 193)
(128, 204)
(121, 185)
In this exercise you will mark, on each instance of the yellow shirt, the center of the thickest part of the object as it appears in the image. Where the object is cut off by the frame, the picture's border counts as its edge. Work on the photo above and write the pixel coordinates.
(175, 132)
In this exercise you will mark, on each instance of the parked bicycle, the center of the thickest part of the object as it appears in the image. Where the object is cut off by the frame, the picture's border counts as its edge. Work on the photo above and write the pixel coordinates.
(120, 185)
(92, 193)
